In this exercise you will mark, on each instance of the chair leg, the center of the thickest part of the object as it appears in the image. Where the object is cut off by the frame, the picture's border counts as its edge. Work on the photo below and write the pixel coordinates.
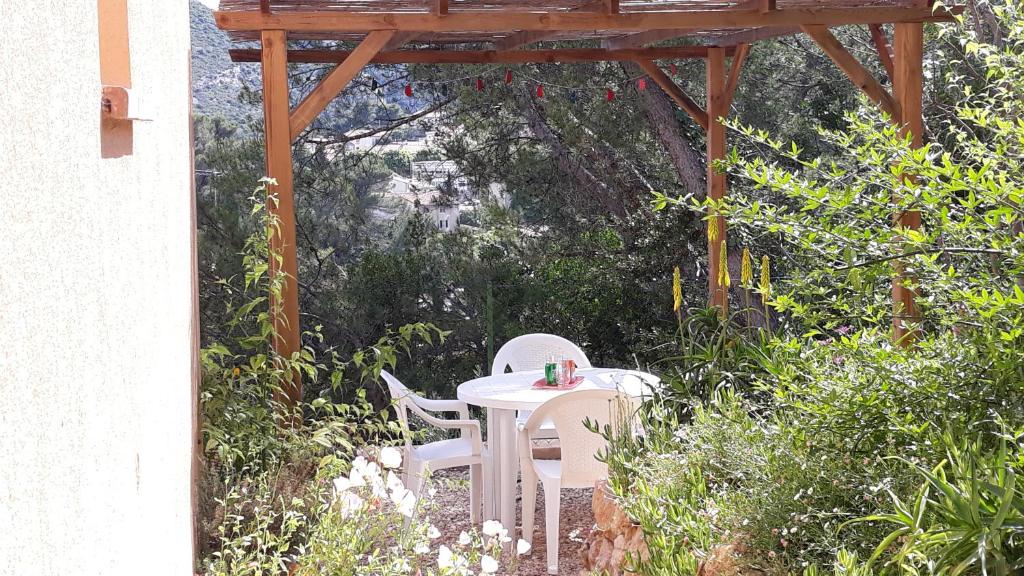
(476, 493)
(552, 502)
(414, 477)
(529, 486)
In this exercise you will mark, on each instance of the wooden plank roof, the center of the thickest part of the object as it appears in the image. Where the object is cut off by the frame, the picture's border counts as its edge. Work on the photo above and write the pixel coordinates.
(511, 24)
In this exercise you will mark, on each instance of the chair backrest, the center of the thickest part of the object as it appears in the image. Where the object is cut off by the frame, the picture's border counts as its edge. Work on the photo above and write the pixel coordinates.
(580, 446)
(531, 352)
(401, 395)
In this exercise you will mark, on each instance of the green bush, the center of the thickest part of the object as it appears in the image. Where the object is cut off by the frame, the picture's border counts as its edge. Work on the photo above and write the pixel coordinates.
(788, 451)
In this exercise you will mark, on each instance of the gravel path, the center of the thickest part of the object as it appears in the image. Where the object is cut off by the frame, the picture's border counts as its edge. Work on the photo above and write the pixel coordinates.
(452, 517)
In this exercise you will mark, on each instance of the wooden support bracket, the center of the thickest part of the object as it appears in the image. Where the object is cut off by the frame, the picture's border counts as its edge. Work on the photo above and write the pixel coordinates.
(675, 92)
(884, 49)
(853, 69)
(734, 73)
(337, 80)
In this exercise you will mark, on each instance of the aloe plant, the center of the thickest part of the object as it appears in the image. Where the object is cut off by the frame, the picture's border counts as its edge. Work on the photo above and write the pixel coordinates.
(967, 515)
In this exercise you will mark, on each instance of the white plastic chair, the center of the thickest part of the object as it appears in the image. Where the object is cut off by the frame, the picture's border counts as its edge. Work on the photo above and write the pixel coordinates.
(466, 450)
(531, 352)
(578, 467)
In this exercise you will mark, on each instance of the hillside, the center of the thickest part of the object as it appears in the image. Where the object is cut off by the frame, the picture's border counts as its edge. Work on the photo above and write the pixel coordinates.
(216, 81)
(217, 84)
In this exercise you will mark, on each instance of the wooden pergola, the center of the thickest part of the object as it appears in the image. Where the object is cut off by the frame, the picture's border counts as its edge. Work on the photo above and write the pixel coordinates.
(508, 31)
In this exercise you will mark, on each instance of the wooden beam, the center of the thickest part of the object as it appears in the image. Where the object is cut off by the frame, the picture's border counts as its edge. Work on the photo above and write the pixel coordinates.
(527, 37)
(336, 80)
(883, 48)
(284, 305)
(610, 6)
(524, 38)
(675, 92)
(642, 39)
(506, 21)
(853, 69)
(439, 7)
(765, 6)
(718, 293)
(755, 35)
(908, 82)
(397, 41)
(734, 73)
(265, 6)
(486, 56)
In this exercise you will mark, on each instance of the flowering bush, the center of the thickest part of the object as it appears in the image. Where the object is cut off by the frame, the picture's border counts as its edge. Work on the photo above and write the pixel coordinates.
(373, 524)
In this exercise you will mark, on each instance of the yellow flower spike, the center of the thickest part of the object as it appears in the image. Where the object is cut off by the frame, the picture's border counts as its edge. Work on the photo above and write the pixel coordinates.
(766, 280)
(746, 269)
(712, 230)
(723, 267)
(677, 290)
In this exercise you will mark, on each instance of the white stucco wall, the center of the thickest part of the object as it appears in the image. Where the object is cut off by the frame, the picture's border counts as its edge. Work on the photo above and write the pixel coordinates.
(95, 299)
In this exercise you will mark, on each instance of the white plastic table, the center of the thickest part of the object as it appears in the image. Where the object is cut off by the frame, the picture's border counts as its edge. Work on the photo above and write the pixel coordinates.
(505, 394)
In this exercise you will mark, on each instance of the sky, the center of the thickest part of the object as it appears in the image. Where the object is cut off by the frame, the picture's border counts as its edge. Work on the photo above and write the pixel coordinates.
(212, 4)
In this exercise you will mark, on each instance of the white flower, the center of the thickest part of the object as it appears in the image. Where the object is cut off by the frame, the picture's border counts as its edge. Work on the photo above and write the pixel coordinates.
(445, 558)
(522, 547)
(390, 457)
(464, 538)
(341, 484)
(433, 532)
(421, 548)
(488, 565)
(350, 504)
(406, 504)
(394, 482)
(493, 528)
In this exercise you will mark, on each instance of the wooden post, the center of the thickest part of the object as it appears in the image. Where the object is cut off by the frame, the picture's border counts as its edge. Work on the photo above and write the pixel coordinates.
(908, 41)
(276, 109)
(717, 111)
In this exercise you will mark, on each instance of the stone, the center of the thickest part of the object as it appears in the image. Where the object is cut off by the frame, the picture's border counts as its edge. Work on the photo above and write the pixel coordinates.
(614, 539)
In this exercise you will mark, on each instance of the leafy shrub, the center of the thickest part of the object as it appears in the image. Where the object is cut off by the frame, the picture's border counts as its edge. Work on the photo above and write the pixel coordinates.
(263, 487)
(796, 445)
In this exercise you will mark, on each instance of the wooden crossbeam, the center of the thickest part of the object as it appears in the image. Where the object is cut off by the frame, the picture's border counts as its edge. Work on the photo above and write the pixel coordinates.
(439, 7)
(506, 21)
(734, 73)
(265, 6)
(527, 37)
(642, 39)
(400, 39)
(610, 6)
(883, 48)
(486, 56)
(336, 80)
(755, 35)
(853, 69)
(765, 6)
(675, 92)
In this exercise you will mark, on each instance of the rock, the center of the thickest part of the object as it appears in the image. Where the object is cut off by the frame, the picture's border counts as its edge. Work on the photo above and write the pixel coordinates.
(614, 539)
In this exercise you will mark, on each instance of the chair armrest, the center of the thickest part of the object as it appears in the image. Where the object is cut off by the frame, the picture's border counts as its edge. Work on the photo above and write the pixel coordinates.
(466, 425)
(443, 406)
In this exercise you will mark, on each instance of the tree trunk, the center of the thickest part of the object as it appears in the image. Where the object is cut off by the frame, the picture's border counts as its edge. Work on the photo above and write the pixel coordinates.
(661, 113)
(564, 159)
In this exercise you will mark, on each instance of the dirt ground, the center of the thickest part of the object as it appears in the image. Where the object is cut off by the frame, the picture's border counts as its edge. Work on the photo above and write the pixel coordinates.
(452, 517)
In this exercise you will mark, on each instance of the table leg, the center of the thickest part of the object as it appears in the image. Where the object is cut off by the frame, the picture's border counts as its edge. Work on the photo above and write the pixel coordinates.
(509, 469)
(492, 468)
